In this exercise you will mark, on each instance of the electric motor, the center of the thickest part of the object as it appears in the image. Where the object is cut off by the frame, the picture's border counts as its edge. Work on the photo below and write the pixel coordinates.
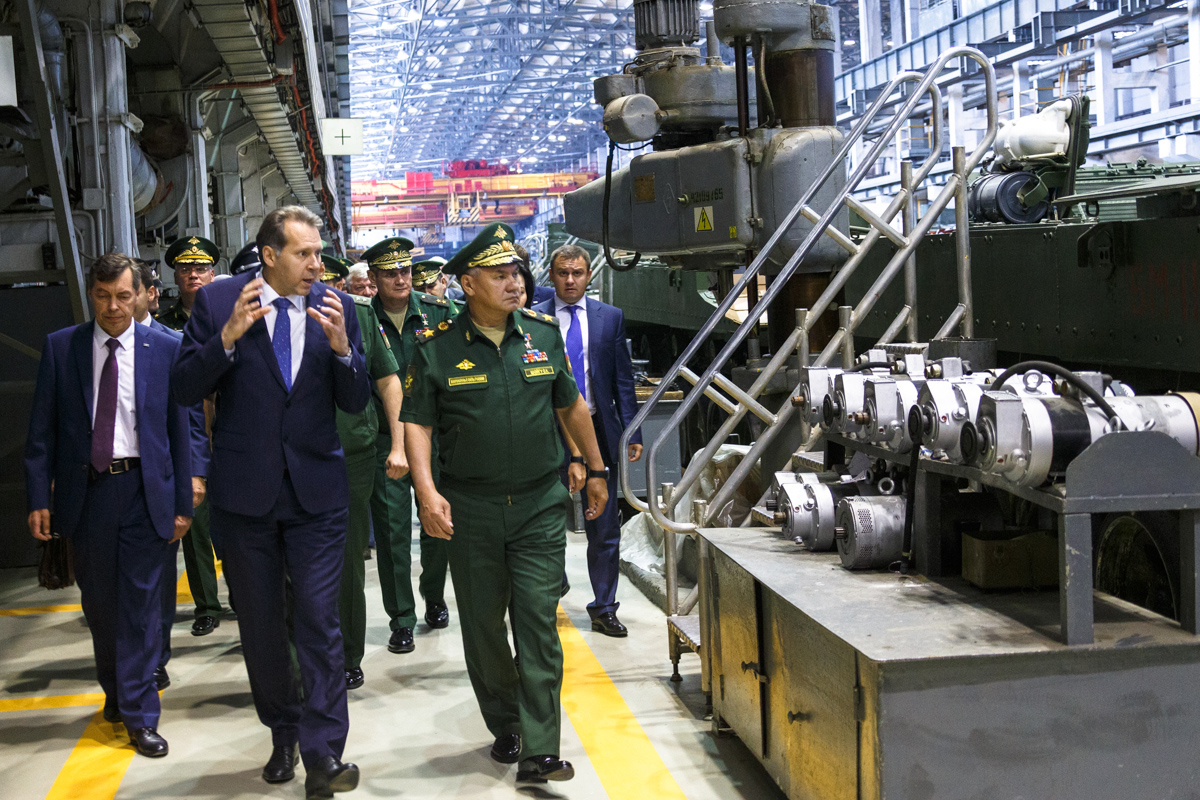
(887, 402)
(870, 531)
(808, 507)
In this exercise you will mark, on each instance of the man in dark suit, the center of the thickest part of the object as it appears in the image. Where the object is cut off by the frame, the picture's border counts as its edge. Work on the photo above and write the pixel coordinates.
(594, 334)
(283, 352)
(109, 451)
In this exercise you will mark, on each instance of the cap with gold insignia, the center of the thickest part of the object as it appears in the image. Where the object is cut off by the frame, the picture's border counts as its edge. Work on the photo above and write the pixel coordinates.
(335, 270)
(391, 253)
(347, 263)
(427, 271)
(191, 250)
(493, 247)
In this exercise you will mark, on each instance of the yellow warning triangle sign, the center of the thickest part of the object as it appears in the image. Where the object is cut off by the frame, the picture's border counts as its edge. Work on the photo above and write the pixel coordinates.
(703, 223)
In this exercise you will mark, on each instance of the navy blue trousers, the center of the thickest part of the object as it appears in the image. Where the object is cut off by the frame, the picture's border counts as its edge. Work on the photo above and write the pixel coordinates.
(603, 537)
(170, 590)
(120, 566)
(261, 554)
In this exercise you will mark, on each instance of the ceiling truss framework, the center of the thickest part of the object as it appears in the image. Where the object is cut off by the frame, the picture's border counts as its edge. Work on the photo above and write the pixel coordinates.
(445, 80)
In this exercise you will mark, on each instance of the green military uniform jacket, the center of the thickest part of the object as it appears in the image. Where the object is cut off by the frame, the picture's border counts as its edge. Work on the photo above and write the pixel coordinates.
(492, 408)
(359, 431)
(174, 317)
(425, 312)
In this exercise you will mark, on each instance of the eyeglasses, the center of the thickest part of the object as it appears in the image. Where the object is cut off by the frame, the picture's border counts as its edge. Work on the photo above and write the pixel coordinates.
(199, 269)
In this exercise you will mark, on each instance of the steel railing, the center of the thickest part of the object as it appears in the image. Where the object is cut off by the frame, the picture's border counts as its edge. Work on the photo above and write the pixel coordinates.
(913, 229)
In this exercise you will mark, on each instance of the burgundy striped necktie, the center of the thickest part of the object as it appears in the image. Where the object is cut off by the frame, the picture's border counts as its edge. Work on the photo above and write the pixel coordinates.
(104, 428)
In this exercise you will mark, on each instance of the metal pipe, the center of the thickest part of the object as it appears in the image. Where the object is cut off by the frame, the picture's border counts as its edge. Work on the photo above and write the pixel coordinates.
(95, 115)
(741, 74)
(845, 313)
(893, 330)
(803, 356)
(962, 237)
(925, 84)
(670, 565)
(910, 266)
(714, 44)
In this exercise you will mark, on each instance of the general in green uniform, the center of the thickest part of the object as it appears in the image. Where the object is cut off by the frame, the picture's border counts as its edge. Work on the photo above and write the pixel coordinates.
(193, 260)
(358, 433)
(403, 314)
(489, 383)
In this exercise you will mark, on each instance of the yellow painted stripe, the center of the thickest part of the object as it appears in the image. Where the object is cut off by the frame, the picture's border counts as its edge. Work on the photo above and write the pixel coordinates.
(628, 765)
(183, 592)
(96, 766)
(54, 701)
(20, 612)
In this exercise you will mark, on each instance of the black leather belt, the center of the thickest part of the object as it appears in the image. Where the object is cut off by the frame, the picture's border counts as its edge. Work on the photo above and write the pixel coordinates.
(117, 467)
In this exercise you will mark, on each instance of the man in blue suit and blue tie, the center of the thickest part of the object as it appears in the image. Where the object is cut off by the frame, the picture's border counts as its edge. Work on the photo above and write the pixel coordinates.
(109, 452)
(594, 334)
(282, 351)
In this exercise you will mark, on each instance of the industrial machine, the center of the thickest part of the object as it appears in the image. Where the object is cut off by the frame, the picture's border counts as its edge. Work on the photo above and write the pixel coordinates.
(839, 636)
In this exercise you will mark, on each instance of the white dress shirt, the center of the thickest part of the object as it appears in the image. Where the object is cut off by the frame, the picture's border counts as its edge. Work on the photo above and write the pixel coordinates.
(297, 316)
(564, 320)
(125, 441)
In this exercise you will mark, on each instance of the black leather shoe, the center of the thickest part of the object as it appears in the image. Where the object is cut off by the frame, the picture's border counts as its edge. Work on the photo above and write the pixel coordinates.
(161, 679)
(148, 742)
(437, 615)
(204, 625)
(111, 714)
(281, 766)
(566, 587)
(401, 641)
(539, 769)
(330, 775)
(608, 624)
(354, 678)
(507, 748)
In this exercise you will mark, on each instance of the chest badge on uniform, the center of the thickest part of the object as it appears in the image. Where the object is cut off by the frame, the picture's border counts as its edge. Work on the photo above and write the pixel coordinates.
(532, 355)
(443, 326)
(465, 364)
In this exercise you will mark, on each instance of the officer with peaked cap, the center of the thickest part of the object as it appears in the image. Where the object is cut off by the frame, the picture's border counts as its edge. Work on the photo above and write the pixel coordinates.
(194, 258)
(335, 273)
(358, 433)
(404, 314)
(429, 278)
(491, 383)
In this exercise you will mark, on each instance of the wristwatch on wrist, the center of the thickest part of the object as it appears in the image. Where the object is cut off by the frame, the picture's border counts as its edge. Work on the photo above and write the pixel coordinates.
(578, 460)
(602, 474)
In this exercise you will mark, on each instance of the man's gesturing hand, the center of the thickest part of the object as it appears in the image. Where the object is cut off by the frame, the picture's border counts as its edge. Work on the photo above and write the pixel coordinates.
(246, 311)
(333, 323)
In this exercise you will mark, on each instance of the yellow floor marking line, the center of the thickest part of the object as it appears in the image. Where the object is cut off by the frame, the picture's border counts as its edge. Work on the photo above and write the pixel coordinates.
(96, 766)
(625, 760)
(53, 701)
(20, 612)
(183, 592)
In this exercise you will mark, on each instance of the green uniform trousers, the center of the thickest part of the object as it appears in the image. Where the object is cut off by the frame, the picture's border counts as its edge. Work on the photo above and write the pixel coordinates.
(511, 552)
(352, 600)
(391, 513)
(201, 564)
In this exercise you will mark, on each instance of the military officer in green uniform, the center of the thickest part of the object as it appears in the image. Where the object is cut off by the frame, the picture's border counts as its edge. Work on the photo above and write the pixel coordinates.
(194, 258)
(404, 314)
(358, 433)
(429, 278)
(335, 272)
(490, 383)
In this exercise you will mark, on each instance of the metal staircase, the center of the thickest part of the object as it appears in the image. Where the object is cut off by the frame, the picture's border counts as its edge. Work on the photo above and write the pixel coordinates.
(906, 234)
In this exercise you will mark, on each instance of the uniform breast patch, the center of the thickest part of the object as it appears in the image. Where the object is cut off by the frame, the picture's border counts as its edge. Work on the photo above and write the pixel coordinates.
(467, 380)
(533, 372)
(464, 364)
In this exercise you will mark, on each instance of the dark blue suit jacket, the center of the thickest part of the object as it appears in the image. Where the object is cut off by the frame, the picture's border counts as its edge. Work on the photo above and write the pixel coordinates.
(610, 371)
(196, 423)
(59, 447)
(260, 428)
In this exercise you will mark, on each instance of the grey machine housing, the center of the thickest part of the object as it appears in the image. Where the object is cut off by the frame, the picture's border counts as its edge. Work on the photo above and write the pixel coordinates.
(708, 195)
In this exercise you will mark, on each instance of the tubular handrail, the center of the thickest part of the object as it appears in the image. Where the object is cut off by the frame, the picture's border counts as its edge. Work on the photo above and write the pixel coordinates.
(925, 85)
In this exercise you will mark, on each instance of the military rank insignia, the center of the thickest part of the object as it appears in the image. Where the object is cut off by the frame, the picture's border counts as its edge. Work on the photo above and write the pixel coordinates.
(410, 376)
(465, 364)
(532, 355)
(443, 326)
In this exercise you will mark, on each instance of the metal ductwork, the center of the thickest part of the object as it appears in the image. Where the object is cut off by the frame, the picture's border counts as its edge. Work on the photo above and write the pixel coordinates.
(237, 40)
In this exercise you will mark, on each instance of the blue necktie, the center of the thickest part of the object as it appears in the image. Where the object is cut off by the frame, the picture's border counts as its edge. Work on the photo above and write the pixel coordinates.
(281, 341)
(575, 350)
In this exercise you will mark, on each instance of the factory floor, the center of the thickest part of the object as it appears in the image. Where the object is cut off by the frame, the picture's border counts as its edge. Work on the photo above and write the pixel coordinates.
(415, 730)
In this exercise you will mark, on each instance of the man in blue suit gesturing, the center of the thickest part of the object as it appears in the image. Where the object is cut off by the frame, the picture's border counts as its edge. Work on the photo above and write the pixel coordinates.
(108, 450)
(594, 334)
(281, 350)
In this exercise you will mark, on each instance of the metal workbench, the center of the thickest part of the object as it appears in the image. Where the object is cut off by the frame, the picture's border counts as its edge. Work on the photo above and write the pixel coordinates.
(878, 685)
